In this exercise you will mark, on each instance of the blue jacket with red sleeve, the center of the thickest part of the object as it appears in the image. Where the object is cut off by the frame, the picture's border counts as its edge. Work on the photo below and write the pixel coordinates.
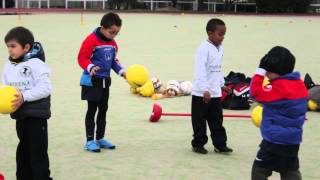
(96, 50)
(284, 107)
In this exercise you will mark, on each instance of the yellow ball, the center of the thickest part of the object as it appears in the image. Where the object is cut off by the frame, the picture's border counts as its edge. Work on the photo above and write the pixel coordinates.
(265, 82)
(256, 115)
(147, 89)
(7, 94)
(312, 105)
(137, 75)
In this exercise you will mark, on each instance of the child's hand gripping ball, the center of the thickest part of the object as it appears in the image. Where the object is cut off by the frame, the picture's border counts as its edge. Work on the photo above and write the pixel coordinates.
(8, 98)
(256, 115)
(312, 105)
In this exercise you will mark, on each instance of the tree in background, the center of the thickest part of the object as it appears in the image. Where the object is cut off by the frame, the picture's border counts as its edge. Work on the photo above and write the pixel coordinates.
(300, 6)
(115, 4)
(9, 3)
(129, 4)
(229, 4)
(201, 5)
(174, 3)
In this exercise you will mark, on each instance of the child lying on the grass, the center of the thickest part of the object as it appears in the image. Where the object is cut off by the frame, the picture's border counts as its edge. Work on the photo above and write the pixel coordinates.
(173, 88)
(155, 89)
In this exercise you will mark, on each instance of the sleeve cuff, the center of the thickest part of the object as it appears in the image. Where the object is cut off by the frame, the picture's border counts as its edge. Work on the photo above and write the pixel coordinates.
(25, 96)
(89, 67)
(121, 72)
(261, 72)
(222, 84)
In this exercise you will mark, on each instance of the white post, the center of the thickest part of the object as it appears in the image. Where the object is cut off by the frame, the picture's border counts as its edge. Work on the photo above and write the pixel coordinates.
(16, 4)
(235, 8)
(66, 4)
(209, 4)
(151, 5)
(39, 4)
(195, 5)
(48, 4)
(28, 4)
(84, 4)
(103, 5)
(3, 4)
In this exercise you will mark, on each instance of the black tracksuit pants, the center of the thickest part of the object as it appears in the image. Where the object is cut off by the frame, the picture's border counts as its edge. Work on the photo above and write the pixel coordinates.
(97, 98)
(211, 113)
(102, 107)
(276, 157)
(32, 151)
(259, 173)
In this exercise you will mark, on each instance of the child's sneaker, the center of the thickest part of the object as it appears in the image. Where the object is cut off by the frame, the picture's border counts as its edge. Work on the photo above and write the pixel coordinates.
(223, 150)
(103, 143)
(92, 146)
(200, 150)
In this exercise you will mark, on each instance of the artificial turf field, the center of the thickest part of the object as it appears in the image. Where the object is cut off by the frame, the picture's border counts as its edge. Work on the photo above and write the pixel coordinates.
(165, 44)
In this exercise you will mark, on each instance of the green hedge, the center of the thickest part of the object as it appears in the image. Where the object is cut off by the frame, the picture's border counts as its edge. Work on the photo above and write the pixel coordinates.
(281, 6)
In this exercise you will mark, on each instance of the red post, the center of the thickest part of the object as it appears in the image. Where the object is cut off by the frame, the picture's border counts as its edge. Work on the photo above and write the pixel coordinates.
(1, 177)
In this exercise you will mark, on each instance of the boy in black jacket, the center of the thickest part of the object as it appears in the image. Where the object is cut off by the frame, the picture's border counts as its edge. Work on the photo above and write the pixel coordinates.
(26, 71)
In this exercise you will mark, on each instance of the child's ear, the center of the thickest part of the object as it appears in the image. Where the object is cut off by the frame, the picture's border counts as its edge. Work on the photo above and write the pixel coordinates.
(27, 47)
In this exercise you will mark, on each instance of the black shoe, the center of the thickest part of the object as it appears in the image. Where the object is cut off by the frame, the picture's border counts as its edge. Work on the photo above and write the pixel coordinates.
(224, 150)
(200, 150)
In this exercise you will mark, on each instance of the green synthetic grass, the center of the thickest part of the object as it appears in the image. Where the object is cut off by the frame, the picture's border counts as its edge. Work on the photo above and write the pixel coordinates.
(165, 44)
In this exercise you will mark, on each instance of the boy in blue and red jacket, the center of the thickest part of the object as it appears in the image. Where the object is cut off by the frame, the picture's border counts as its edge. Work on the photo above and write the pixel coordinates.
(97, 57)
(284, 109)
